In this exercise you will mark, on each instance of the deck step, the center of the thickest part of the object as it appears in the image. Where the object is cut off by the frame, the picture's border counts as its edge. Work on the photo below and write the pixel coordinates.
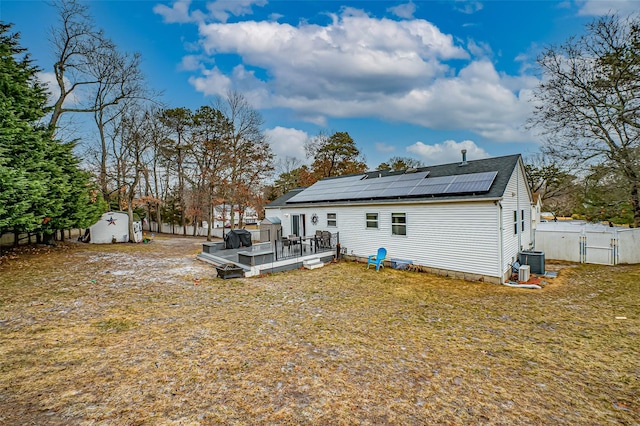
(312, 263)
(219, 261)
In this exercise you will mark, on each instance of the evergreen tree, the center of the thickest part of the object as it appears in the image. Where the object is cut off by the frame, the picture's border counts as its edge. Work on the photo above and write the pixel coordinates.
(41, 187)
(22, 142)
(335, 155)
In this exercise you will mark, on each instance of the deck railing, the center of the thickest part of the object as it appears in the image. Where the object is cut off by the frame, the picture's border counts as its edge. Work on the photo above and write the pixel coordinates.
(293, 247)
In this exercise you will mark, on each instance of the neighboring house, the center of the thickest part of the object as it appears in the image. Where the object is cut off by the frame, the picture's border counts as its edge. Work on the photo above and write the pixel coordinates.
(467, 219)
(536, 209)
(224, 212)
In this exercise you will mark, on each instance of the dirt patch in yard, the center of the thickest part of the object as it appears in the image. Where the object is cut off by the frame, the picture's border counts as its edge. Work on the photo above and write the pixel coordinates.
(145, 334)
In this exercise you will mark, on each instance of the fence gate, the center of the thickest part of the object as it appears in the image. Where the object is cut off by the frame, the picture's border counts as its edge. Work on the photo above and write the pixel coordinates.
(588, 243)
(599, 248)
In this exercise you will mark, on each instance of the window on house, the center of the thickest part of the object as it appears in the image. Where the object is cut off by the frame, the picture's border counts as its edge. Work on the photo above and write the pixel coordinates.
(372, 220)
(398, 223)
(515, 221)
(332, 219)
(522, 219)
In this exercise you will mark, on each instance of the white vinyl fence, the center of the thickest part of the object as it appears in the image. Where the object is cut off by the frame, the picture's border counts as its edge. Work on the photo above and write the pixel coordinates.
(588, 243)
(201, 231)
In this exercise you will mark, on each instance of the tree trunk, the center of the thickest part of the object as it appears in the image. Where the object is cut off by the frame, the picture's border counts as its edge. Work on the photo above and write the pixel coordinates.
(211, 217)
(130, 213)
(103, 160)
(158, 218)
(635, 204)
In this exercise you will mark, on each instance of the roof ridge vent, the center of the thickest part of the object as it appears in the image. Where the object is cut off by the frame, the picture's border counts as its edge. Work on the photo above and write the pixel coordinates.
(464, 158)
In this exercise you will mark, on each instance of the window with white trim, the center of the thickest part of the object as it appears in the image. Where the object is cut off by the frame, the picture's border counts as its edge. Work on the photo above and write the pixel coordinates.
(372, 220)
(522, 219)
(332, 219)
(398, 224)
(515, 221)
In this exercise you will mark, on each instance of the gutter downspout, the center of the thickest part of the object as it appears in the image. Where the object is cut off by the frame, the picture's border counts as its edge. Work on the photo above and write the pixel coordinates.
(500, 241)
(519, 212)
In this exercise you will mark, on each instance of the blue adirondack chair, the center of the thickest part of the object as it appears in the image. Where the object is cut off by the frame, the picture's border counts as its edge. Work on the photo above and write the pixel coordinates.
(377, 259)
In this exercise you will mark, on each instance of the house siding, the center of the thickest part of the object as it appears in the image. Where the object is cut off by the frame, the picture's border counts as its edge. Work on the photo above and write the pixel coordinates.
(516, 198)
(429, 241)
(465, 236)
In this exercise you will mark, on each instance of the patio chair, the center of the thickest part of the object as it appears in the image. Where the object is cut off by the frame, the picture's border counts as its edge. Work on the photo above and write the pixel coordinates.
(286, 244)
(326, 239)
(377, 259)
(294, 241)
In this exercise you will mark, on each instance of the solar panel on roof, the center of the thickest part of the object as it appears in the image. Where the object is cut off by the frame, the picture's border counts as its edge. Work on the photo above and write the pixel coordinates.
(401, 185)
(428, 189)
(476, 182)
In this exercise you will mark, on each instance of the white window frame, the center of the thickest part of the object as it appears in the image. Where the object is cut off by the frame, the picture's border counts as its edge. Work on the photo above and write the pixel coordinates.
(515, 222)
(332, 221)
(396, 225)
(368, 221)
(522, 222)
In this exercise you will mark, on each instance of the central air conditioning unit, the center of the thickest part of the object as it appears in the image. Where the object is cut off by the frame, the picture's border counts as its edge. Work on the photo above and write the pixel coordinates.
(535, 259)
(523, 273)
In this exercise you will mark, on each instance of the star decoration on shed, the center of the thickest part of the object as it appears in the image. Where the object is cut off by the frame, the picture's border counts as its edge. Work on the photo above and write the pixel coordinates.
(111, 221)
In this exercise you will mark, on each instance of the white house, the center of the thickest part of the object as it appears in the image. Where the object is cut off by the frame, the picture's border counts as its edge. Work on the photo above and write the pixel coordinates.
(223, 214)
(114, 227)
(467, 219)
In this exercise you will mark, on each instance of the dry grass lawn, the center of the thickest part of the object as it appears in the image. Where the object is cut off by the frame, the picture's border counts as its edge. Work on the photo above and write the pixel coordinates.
(144, 334)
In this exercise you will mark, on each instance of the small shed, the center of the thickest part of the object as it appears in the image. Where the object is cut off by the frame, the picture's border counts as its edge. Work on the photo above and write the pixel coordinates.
(114, 227)
(270, 229)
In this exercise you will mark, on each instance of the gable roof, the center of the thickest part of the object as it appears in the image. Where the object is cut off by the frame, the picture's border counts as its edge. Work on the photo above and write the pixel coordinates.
(504, 166)
(282, 200)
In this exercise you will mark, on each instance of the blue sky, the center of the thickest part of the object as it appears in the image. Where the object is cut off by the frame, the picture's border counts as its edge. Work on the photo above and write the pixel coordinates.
(422, 79)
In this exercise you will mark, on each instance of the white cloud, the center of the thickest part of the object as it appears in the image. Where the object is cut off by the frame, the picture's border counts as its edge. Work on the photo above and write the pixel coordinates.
(477, 99)
(178, 13)
(405, 10)
(353, 54)
(446, 152)
(221, 10)
(287, 142)
(48, 79)
(360, 66)
(600, 7)
(383, 147)
(479, 49)
(190, 63)
(213, 82)
(468, 7)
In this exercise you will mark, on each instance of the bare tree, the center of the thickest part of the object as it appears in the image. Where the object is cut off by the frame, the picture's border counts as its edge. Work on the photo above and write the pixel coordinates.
(588, 102)
(130, 139)
(210, 156)
(179, 124)
(250, 156)
(119, 81)
(287, 165)
(92, 75)
(153, 169)
(551, 180)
